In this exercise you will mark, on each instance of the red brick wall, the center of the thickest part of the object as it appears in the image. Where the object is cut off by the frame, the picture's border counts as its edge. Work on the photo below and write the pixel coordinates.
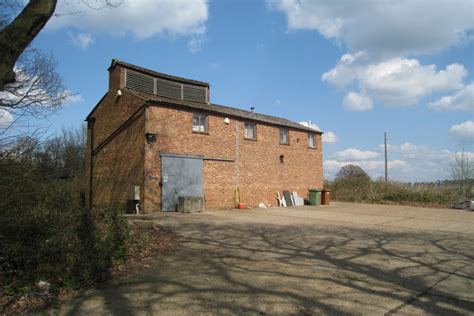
(120, 164)
(261, 172)
(118, 167)
(116, 76)
(112, 111)
(219, 183)
(174, 135)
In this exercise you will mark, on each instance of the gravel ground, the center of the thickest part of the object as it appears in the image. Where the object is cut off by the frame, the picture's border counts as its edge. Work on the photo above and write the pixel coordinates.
(340, 259)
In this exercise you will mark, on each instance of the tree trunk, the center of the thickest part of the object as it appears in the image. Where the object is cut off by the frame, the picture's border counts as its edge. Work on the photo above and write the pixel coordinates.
(15, 37)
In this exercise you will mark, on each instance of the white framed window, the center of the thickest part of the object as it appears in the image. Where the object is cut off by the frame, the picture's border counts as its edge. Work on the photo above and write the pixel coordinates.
(200, 123)
(250, 131)
(311, 140)
(284, 138)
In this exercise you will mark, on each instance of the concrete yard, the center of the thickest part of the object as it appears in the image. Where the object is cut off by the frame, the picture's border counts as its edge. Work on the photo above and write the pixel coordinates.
(340, 259)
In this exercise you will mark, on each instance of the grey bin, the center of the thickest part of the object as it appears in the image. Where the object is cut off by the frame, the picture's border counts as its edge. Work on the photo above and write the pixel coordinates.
(190, 204)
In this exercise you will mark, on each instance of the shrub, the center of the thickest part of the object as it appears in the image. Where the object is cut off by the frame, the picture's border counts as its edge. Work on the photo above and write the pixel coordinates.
(352, 184)
(47, 235)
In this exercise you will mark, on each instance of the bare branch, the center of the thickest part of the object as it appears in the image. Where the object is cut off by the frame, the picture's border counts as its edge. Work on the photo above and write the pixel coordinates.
(462, 171)
(109, 4)
(38, 89)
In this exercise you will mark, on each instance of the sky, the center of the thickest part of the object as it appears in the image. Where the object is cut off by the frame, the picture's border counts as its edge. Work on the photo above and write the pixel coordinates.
(355, 69)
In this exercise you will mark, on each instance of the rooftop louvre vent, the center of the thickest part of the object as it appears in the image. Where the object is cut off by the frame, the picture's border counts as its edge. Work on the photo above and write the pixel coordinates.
(163, 87)
(197, 94)
(168, 88)
(139, 82)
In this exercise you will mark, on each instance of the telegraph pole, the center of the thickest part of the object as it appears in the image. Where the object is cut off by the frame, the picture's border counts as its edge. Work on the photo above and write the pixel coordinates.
(386, 161)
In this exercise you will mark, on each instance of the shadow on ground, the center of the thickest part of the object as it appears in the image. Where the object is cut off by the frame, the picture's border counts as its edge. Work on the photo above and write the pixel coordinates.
(253, 268)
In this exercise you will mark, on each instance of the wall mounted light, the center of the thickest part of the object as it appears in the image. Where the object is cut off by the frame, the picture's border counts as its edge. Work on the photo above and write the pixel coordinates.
(226, 121)
(282, 158)
(118, 95)
(150, 137)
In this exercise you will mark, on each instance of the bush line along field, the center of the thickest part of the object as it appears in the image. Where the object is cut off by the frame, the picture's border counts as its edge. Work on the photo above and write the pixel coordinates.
(352, 184)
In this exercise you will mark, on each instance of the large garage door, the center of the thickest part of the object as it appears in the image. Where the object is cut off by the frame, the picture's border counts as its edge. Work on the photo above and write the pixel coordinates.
(181, 176)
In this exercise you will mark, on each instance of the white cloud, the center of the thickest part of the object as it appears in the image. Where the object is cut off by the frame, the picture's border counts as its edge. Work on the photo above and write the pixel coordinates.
(461, 100)
(409, 151)
(389, 28)
(406, 150)
(142, 18)
(346, 70)
(464, 131)
(354, 101)
(72, 98)
(195, 43)
(379, 36)
(329, 137)
(310, 125)
(396, 82)
(82, 40)
(406, 162)
(355, 154)
(427, 164)
(6, 118)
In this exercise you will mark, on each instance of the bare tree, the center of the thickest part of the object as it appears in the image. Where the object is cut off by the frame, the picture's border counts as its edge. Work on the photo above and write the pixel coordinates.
(462, 171)
(37, 91)
(38, 88)
(16, 36)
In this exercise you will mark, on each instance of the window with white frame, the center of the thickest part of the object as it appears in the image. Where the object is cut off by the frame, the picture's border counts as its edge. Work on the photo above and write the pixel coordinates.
(284, 139)
(311, 140)
(200, 123)
(250, 131)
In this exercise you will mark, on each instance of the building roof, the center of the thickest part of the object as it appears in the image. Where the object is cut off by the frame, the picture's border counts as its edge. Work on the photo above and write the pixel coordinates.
(212, 108)
(223, 110)
(153, 73)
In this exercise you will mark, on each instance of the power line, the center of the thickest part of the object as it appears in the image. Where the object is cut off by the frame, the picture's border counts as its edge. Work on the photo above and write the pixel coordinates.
(386, 160)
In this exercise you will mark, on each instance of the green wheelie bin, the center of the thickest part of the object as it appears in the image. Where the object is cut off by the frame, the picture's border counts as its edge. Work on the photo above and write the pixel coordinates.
(315, 197)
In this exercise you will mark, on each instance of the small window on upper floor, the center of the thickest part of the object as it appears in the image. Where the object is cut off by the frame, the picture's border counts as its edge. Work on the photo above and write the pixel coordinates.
(250, 131)
(284, 139)
(311, 140)
(200, 123)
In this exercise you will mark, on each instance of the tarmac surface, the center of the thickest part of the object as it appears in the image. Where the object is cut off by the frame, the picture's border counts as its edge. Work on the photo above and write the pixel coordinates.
(341, 259)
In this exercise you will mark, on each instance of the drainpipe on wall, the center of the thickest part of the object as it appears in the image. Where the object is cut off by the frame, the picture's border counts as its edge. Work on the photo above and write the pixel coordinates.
(91, 123)
(237, 155)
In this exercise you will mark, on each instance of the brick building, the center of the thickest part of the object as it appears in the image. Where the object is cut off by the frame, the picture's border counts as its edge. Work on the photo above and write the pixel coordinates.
(156, 137)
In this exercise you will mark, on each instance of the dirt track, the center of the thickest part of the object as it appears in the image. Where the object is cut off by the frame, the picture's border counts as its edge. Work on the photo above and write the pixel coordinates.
(341, 259)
